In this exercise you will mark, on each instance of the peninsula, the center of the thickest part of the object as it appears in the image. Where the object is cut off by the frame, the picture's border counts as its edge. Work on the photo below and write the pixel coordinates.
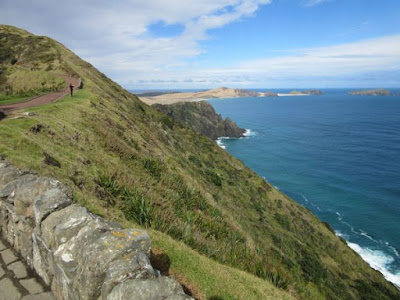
(218, 93)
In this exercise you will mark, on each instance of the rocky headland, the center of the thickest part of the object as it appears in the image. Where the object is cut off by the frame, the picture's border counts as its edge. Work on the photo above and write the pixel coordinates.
(202, 117)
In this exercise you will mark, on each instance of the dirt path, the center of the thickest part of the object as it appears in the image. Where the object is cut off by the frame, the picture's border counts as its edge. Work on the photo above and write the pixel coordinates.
(47, 98)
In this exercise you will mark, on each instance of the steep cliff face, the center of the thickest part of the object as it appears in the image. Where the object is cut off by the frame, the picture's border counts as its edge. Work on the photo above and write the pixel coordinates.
(130, 163)
(202, 117)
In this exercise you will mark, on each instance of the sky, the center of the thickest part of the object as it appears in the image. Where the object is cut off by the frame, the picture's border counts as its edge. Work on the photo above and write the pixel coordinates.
(189, 44)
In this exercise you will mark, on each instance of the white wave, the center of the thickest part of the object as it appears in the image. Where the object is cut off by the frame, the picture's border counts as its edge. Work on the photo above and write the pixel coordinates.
(308, 201)
(249, 133)
(339, 216)
(342, 235)
(219, 143)
(378, 260)
(277, 187)
(394, 250)
(363, 233)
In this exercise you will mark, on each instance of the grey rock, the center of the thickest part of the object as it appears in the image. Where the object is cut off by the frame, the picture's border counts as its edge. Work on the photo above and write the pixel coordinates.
(130, 266)
(7, 173)
(42, 190)
(64, 224)
(49, 201)
(8, 189)
(150, 289)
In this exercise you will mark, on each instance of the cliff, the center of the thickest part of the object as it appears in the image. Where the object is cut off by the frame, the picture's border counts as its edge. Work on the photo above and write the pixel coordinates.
(215, 225)
(202, 117)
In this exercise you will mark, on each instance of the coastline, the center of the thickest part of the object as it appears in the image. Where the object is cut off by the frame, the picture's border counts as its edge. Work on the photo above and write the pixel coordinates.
(378, 252)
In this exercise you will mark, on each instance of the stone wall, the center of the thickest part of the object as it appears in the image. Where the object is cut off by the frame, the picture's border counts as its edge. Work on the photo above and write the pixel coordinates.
(78, 254)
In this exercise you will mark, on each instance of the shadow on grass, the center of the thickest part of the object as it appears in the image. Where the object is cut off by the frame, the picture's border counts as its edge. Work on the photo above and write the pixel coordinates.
(162, 263)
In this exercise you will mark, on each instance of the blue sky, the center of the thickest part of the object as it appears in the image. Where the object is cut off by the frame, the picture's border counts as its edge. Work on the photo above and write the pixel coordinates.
(237, 43)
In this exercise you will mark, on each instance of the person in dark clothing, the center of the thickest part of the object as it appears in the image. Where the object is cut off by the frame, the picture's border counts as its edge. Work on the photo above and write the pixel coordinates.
(71, 87)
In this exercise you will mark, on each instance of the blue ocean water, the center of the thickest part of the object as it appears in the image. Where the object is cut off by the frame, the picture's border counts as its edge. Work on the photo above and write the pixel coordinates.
(338, 155)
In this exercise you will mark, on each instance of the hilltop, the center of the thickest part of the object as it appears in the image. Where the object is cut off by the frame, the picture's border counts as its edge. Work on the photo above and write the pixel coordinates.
(216, 226)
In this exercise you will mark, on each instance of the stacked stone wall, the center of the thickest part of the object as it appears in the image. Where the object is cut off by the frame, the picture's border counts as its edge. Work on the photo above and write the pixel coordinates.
(79, 255)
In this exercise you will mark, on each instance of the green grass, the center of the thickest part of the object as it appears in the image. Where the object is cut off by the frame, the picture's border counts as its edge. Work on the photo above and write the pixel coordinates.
(22, 82)
(4, 100)
(208, 279)
(204, 209)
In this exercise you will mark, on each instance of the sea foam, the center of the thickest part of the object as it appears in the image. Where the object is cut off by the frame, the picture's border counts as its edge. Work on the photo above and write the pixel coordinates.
(219, 143)
(249, 132)
(377, 259)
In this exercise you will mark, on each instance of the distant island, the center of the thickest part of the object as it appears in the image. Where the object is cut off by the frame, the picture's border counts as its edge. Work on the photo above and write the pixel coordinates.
(376, 92)
(218, 93)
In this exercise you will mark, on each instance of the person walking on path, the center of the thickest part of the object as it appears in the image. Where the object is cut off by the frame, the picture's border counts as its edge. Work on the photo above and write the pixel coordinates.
(71, 87)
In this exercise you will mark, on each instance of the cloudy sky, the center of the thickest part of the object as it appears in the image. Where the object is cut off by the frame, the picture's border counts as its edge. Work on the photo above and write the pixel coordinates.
(237, 43)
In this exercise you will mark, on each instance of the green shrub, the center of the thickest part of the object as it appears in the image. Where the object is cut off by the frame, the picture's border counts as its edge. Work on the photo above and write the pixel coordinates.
(110, 184)
(153, 166)
(137, 207)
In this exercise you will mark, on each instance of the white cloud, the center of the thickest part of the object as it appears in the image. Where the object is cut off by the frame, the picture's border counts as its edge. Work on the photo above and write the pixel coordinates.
(374, 61)
(315, 2)
(113, 35)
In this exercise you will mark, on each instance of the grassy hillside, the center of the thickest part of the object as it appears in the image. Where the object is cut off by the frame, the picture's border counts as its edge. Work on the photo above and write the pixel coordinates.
(26, 63)
(205, 210)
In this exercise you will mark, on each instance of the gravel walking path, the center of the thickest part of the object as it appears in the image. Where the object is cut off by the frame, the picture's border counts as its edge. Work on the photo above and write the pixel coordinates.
(47, 98)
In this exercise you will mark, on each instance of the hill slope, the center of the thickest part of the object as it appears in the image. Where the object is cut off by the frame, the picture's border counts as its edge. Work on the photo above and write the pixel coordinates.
(128, 162)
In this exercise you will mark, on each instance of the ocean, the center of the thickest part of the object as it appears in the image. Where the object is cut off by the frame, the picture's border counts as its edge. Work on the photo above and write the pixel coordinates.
(336, 154)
